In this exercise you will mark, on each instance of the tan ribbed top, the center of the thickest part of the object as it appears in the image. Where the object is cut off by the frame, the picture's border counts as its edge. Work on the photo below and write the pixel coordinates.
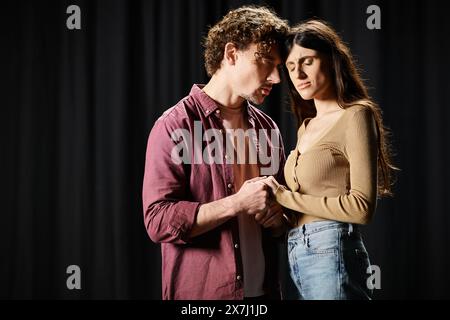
(336, 177)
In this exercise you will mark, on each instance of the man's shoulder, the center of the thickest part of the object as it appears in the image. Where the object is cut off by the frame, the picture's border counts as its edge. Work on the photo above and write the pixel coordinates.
(179, 114)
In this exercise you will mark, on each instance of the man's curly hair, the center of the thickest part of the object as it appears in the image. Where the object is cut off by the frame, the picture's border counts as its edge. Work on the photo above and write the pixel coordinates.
(243, 26)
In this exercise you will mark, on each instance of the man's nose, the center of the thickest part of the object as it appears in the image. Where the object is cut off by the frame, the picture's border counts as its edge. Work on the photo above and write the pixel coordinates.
(274, 76)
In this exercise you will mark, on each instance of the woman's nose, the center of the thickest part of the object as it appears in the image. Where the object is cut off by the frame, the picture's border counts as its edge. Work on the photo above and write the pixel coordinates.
(299, 73)
(302, 74)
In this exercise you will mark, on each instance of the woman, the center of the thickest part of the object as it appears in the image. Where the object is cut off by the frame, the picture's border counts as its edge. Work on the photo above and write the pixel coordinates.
(340, 164)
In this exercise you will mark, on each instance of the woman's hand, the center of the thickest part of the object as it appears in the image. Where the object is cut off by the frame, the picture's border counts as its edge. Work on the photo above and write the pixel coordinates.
(271, 183)
(272, 218)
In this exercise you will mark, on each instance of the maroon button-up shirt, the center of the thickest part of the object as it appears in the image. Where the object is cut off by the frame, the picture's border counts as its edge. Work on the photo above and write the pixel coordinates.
(208, 266)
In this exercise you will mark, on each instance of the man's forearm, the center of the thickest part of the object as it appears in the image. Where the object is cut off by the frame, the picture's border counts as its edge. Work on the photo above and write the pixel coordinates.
(213, 214)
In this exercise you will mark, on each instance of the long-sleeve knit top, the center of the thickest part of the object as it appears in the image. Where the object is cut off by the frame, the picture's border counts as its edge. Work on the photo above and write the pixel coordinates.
(336, 177)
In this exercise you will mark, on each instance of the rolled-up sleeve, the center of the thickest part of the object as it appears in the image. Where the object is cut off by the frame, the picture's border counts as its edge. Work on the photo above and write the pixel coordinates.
(168, 214)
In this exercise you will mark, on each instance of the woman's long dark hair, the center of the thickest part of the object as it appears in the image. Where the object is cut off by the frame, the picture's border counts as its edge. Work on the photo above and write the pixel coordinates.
(348, 85)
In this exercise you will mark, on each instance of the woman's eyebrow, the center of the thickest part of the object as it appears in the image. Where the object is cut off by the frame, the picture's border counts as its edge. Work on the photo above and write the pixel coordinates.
(300, 59)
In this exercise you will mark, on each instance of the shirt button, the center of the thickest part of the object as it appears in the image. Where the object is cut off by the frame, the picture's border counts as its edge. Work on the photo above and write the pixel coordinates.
(217, 111)
(226, 156)
(230, 186)
(236, 245)
(238, 278)
(207, 111)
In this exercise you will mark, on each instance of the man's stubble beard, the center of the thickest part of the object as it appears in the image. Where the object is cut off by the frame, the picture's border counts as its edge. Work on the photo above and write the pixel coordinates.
(252, 99)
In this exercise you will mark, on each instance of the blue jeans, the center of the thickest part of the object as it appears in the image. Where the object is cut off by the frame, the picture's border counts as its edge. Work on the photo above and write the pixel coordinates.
(328, 261)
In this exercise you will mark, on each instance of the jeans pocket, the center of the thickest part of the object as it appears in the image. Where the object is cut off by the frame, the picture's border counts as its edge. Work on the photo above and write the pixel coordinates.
(356, 252)
(361, 258)
(356, 263)
(322, 251)
(323, 242)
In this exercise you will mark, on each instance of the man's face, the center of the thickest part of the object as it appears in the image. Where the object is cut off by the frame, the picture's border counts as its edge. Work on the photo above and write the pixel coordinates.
(254, 75)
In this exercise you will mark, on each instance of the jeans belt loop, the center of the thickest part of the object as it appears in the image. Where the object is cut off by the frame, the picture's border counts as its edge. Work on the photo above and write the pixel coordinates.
(350, 229)
(304, 234)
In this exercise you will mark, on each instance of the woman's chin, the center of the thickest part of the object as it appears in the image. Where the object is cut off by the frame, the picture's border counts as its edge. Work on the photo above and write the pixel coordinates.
(306, 96)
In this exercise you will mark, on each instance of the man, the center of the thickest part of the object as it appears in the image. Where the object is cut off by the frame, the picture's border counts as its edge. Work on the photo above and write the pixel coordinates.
(202, 200)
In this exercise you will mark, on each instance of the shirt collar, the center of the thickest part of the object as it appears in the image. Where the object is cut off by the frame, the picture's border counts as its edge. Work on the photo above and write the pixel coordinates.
(209, 106)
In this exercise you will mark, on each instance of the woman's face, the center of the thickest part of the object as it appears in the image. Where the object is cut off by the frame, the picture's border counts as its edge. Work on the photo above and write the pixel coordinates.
(310, 73)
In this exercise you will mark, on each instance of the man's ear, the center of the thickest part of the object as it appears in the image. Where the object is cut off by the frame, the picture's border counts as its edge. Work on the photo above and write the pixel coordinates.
(230, 53)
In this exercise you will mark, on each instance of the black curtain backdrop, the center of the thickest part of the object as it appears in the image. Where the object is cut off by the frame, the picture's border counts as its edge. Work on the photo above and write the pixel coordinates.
(77, 107)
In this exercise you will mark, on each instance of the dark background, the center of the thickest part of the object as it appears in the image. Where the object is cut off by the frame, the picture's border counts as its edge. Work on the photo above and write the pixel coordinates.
(77, 107)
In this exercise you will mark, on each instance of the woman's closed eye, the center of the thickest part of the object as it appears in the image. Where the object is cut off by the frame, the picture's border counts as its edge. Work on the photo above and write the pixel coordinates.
(308, 61)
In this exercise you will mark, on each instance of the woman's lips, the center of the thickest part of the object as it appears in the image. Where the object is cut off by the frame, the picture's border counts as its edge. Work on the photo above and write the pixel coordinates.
(303, 85)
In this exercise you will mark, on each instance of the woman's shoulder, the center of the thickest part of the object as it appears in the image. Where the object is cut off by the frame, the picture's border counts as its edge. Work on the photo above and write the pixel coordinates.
(360, 111)
(363, 106)
(360, 119)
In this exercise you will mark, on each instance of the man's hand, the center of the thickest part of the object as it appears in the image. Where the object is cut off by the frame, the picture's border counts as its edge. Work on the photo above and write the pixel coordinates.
(253, 197)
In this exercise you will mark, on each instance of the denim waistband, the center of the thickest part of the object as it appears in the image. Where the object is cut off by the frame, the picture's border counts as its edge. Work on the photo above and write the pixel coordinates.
(317, 226)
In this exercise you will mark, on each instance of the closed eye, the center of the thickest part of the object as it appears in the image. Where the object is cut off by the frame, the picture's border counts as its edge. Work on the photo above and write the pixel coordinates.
(308, 61)
(290, 66)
